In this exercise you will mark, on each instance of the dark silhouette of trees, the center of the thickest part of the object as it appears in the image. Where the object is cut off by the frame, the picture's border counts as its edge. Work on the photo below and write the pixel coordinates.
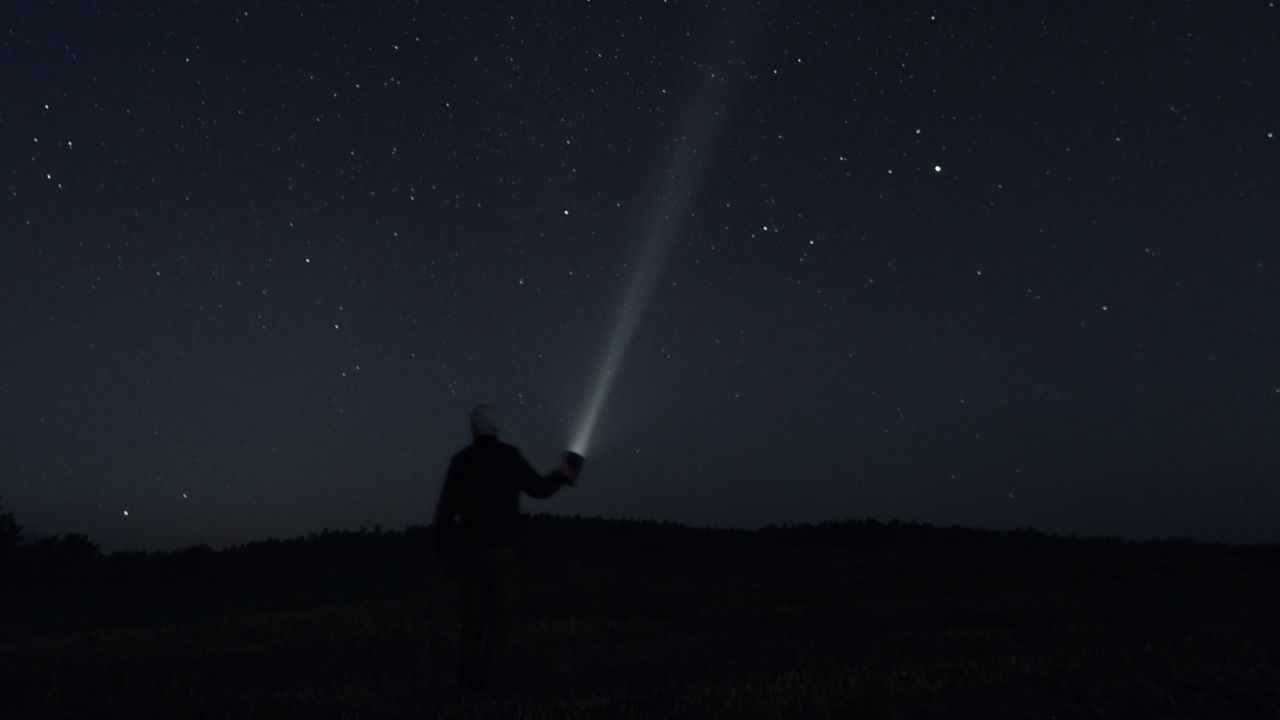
(189, 564)
(65, 547)
(61, 557)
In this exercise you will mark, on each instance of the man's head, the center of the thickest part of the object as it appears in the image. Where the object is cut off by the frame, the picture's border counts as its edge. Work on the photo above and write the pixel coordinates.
(484, 420)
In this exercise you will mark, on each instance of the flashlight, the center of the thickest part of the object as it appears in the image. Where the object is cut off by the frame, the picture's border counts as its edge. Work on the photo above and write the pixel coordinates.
(572, 465)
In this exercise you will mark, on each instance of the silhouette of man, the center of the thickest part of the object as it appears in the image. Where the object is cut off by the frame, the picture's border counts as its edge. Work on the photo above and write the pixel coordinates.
(477, 525)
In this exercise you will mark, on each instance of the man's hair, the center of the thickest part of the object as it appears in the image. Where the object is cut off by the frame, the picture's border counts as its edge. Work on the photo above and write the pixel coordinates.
(484, 420)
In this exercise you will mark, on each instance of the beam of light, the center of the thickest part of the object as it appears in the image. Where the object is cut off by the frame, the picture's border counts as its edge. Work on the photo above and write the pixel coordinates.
(678, 180)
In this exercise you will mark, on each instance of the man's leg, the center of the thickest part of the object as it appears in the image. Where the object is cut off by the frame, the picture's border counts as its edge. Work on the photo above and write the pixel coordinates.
(471, 647)
(498, 565)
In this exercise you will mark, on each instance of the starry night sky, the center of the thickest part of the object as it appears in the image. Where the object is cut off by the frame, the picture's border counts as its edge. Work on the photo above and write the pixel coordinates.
(998, 264)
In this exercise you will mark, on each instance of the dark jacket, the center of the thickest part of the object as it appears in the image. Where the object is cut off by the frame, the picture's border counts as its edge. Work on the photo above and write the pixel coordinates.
(479, 506)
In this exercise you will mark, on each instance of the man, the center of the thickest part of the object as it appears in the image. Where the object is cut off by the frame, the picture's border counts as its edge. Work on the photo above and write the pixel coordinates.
(477, 525)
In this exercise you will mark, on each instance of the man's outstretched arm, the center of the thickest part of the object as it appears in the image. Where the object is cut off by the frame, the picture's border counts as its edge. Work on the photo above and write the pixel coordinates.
(533, 483)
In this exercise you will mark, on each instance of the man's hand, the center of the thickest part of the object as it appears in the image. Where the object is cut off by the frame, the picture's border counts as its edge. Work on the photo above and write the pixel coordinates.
(572, 464)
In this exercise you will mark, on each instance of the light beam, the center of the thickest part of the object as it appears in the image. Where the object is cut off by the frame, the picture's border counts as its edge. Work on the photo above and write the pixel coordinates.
(679, 180)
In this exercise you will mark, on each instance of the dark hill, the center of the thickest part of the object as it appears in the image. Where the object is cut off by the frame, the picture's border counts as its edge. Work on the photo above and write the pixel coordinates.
(651, 619)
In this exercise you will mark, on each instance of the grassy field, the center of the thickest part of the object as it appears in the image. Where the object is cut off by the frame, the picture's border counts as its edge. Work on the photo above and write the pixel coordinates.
(632, 620)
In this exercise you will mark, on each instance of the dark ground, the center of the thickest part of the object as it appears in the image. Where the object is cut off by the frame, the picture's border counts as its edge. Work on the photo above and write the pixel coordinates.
(620, 619)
